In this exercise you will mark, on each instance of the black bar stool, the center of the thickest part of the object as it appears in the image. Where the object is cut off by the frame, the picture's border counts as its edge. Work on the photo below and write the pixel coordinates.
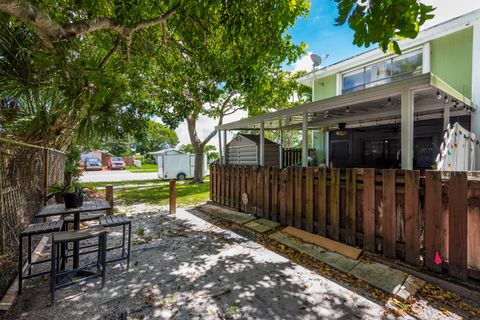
(31, 230)
(83, 272)
(116, 221)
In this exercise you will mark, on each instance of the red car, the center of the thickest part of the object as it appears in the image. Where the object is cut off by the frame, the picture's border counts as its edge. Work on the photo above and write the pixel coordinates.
(116, 163)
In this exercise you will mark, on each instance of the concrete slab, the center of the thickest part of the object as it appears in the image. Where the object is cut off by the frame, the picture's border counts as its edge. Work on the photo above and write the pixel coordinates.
(227, 214)
(380, 276)
(262, 225)
(333, 259)
(410, 287)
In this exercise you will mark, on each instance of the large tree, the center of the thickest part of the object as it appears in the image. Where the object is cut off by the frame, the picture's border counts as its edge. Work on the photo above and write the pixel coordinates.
(84, 68)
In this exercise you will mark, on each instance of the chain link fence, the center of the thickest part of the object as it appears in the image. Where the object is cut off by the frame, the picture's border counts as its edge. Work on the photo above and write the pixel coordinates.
(26, 171)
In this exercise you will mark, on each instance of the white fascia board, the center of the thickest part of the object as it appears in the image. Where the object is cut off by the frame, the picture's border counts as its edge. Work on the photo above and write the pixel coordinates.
(371, 56)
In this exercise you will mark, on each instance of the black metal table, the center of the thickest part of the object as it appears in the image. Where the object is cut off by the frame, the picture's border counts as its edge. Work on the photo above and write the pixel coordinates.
(59, 210)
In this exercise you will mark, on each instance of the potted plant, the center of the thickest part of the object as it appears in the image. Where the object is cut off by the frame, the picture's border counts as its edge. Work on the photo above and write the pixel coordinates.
(73, 196)
(70, 191)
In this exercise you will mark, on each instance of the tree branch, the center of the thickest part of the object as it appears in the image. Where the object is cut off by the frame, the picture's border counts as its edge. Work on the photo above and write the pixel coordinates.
(50, 31)
(109, 54)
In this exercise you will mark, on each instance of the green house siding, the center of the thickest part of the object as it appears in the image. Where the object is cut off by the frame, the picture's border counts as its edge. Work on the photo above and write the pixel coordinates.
(451, 60)
(325, 88)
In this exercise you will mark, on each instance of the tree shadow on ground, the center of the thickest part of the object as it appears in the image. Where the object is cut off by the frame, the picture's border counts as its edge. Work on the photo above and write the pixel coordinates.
(194, 270)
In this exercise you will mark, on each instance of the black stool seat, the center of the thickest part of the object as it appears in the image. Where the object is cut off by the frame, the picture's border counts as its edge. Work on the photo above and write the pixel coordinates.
(114, 220)
(119, 220)
(40, 228)
(71, 236)
(30, 231)
(84, 217)
(62, 278)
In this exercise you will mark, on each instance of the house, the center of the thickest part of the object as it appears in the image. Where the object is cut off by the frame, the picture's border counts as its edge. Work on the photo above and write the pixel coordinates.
(244, 149)
(384, 110)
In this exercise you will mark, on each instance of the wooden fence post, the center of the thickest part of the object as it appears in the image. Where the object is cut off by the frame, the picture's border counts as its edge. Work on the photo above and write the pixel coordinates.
(109, 198)
(173, 196)
(45, 176)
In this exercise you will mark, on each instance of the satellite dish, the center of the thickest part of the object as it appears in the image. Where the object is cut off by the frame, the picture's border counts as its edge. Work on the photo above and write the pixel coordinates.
(317, 60)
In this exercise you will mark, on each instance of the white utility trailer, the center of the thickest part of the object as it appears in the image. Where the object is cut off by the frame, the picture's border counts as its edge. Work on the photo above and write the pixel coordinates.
(173, 164)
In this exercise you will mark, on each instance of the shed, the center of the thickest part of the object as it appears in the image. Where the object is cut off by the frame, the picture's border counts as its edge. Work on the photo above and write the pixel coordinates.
(244, 149)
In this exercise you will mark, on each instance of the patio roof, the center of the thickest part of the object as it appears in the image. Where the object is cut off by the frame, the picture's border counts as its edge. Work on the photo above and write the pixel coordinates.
(361, 108)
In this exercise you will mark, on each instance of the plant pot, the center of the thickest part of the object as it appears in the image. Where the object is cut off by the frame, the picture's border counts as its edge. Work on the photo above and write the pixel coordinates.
(73, 199)
(59, 197)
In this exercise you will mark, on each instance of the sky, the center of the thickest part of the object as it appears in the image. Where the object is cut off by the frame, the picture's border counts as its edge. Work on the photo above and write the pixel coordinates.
(322, 37)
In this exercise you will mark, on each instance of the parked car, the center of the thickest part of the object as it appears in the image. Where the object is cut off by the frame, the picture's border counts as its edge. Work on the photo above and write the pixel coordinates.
(116, 163)
(93, 164)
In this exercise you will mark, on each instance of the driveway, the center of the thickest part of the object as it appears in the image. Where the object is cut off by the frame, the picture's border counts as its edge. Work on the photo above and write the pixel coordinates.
(116, 175)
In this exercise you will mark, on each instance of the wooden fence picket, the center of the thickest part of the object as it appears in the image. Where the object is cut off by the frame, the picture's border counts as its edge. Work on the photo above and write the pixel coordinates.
(433, 219)
(309, 176)
(351, 207)
(274, 214)
(298, 197)
(369, 209)
(335, 203)
(389, 215)
(412, 219)
(290, 196)
(458, 225)
(322, 202)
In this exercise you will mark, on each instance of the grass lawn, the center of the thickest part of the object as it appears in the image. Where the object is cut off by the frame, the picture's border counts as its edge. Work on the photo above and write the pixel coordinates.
(148, 167)
(122, 183)
(187, 194)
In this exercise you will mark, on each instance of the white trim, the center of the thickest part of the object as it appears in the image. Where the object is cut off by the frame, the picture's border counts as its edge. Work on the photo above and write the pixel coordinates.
(313, 89)
(426, 58)
(407, 113)
(305, 140)
(424, 36)
(339, 84)
(475, 118)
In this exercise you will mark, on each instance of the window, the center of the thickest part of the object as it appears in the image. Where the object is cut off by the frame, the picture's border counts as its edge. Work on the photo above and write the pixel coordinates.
(386, 71)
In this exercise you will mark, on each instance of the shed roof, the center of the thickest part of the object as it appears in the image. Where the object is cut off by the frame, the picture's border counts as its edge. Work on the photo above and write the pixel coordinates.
(253, 137)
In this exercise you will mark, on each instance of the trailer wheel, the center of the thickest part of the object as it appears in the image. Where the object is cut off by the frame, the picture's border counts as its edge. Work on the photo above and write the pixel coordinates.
(181, 176)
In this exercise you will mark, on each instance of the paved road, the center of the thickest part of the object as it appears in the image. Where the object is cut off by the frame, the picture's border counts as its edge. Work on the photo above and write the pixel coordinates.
(116, 175)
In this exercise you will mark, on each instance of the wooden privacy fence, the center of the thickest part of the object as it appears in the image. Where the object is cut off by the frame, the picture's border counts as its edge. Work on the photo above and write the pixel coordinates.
(395, 213)
(293, 156)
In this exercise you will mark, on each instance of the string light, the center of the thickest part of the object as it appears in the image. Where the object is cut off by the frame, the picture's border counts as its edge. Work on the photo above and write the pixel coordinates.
(439, 95)
(446, 98)
(389, 102)
(347, 109)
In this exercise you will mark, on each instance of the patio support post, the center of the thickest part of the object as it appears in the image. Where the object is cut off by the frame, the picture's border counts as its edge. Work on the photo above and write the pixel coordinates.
(446, 115)
(262, 144)
(220, 146)
(475, 118)
(305, 140)
(407, 128)
(224, 147)
(281, 149)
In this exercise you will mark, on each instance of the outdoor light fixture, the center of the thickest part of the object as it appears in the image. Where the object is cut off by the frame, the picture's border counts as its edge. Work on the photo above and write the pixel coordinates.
(446, 98)
(439, 95)
(454, 103)
(389, 102)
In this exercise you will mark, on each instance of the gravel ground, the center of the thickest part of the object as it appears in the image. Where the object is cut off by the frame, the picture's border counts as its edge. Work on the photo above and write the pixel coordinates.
(188, 268)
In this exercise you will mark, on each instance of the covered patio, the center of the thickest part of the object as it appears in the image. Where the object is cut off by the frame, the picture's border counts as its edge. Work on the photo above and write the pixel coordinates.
(418, 101)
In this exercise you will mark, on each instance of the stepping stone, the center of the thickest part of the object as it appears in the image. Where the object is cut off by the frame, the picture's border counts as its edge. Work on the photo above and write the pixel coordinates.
(335, 260)
(410, 287)
(262, 225)
(380, 276)
(228, 214)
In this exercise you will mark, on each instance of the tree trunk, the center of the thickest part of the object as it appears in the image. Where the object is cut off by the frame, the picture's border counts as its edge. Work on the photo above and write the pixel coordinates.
(198, 148)
(198, 170)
